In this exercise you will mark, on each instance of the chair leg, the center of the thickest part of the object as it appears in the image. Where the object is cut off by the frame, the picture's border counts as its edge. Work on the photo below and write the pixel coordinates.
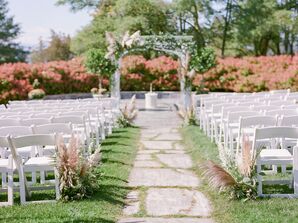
(10, 188)
(102, 131)
(57, 184)
(33, 175)
(260, 184)
(4, 177)
(97, 137)
(42, 177)
(22, 187)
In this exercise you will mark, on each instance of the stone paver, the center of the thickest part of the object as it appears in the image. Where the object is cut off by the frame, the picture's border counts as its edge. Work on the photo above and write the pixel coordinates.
(162, 170)
(162, 177)
(144, 157)
(133, 204)
(175, 201)
(145, 163)
(166, 220)
(161, 145)
(176, 161)
(148, 151)
(175, 151)
(169, 137)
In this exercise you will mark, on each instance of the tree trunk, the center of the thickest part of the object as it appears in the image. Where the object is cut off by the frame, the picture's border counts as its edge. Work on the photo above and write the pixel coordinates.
(226, 27)
(99, 82)
(198, 32)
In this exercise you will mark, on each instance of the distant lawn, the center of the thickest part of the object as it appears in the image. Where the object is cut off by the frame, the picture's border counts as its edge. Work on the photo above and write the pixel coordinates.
(106, 205)
(273, 210)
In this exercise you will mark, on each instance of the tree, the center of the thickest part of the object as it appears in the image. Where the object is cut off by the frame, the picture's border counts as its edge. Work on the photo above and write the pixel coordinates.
(190, 13)
(97, 63)
(77, 5)
(9, 30)
(119, 16)
(58, 49)
(259, 25)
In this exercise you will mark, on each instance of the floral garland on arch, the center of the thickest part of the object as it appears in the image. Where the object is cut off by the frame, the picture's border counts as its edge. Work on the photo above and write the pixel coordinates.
(192, 61)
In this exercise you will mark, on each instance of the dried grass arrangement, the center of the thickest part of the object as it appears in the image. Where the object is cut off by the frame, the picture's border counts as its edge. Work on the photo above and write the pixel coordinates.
(77, 175)
(188, 115)
(236, 178)
(128, 114)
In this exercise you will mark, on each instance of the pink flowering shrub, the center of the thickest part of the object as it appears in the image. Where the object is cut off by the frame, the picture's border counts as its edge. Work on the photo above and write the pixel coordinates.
(54, 77)
(231, 74)
(252, 74)
(138, 73)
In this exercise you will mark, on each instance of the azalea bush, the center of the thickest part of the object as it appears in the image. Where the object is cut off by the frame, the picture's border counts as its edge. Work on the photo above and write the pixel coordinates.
(60, 77)
(138, 73)
(250, 74)
(245, 74)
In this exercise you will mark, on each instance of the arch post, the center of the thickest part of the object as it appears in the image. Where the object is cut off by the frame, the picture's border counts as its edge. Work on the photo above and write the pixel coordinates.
(115, 83)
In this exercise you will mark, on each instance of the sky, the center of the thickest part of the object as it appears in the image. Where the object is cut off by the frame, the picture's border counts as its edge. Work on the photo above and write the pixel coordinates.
(38, 17)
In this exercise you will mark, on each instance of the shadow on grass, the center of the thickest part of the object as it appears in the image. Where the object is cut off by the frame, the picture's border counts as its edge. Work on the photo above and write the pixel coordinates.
(108, 151)
(118, 137)
(40, 219)
(113, 143)
(109, 160)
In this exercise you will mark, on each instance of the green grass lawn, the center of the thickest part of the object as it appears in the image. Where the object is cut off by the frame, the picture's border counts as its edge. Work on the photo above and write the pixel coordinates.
(273, 210)
(106, 205)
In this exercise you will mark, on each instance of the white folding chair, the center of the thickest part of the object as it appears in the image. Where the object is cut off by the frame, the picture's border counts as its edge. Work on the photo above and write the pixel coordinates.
(6, 170)
(25, 152)
(248, 124)
(78, 124)
(232, 127)
(272, 156)
(35, 121)
(4, 122)
(34, 164)
(282, 112)
(65, 129)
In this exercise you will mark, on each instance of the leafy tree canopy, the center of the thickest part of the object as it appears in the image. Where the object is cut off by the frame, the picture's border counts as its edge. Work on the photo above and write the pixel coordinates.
(9, 30)
(58, 49)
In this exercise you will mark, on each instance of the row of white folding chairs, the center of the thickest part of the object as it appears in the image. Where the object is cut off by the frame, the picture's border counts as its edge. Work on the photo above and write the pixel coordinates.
(247, 124)
(227, 126)
(106, 116)
(78, 120)
(211, 107)
(94, 118)
(233, 127)
(214, 120)
(65, 129)
(108, 103)
(15, 164)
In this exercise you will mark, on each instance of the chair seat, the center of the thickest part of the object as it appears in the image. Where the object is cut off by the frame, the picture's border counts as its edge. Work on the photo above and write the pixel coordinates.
(24, 151)
(40, 162)
(275, 156)
(3, 163)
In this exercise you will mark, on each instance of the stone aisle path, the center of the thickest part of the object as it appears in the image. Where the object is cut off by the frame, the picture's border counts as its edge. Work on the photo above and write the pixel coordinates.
(165, 188)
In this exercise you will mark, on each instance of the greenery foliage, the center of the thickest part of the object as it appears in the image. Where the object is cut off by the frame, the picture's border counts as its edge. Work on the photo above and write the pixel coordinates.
(9, 31)
(57, 49)
(97, 63)
(232, 27)
(273, 210)
(36, 94)
(107, 202)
